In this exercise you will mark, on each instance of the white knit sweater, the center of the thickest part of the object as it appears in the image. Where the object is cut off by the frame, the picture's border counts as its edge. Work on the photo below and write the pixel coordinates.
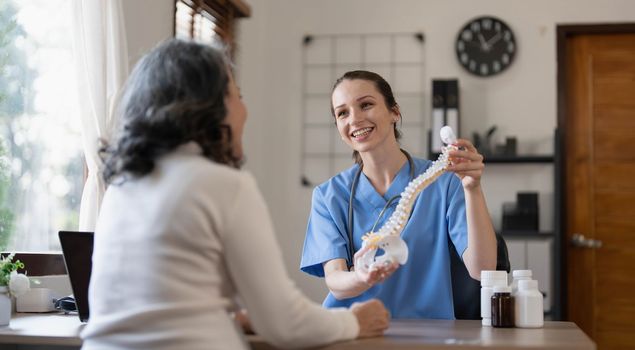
(174, 248)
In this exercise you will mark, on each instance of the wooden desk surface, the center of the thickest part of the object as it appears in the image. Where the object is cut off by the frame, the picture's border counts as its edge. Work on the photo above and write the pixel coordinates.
(42, 329)
(58, 329)
(461, 334)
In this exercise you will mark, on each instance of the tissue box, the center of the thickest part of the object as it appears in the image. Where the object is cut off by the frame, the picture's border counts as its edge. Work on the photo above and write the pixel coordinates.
(60, 284)
(36, 300)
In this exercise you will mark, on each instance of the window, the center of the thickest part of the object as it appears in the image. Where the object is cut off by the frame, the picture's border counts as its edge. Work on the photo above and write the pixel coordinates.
(41, 158)
(209, 20)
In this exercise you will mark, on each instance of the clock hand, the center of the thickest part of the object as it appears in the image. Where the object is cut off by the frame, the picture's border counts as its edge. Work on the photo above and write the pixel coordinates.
(483, 43)
(494, 39)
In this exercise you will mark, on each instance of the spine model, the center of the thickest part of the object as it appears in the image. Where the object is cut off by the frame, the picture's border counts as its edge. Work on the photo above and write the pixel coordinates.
(388, 237)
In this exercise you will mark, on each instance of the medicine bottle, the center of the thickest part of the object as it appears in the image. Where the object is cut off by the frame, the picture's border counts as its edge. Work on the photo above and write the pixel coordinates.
(519, 275)
(502, 307)
(490, 279)
(528, 299)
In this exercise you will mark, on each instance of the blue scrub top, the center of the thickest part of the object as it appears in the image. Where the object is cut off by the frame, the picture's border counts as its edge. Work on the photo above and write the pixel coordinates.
(422, 288)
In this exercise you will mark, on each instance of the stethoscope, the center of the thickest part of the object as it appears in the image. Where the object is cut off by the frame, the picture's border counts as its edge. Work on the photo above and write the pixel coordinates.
(351, 248)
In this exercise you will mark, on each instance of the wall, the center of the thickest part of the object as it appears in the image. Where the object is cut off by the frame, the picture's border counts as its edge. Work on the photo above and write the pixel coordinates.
(147, 23)
(521, 101)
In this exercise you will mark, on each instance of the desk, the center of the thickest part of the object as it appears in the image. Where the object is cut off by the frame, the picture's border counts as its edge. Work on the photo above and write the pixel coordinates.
(42, 329)
(62, 330)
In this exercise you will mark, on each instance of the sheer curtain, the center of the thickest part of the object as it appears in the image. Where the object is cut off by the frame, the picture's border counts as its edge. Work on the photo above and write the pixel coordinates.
(101, 54)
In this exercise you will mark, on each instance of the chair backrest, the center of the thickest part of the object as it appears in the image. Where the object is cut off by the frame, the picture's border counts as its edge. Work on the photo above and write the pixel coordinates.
(466, 291)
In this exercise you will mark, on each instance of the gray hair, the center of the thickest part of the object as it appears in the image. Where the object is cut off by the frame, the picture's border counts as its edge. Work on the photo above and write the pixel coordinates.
(175, 94)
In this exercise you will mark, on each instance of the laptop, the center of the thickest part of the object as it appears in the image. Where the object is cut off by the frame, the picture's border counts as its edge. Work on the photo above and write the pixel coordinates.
(77, 248)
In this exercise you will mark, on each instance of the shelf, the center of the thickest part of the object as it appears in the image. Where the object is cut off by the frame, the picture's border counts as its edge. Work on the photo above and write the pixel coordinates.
(534, 159)
(519, 159)
(526, 234)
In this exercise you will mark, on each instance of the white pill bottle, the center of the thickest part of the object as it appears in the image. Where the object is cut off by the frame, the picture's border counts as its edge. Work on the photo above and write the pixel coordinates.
(528, 308)
(489, 280)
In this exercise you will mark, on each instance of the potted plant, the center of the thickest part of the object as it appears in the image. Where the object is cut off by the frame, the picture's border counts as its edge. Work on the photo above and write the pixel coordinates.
(12, 284)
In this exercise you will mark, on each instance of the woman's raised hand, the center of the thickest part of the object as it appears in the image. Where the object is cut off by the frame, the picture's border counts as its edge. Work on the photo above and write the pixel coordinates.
(467, 163)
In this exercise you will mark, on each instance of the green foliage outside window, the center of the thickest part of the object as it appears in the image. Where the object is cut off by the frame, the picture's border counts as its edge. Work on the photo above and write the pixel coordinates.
(6, 215)
(15, 74)
(41, 162)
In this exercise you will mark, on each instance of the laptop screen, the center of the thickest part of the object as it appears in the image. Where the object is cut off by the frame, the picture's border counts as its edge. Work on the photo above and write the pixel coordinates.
(77, 248)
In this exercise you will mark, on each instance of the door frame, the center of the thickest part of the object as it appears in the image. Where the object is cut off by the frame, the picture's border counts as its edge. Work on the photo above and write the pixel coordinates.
(563, 33)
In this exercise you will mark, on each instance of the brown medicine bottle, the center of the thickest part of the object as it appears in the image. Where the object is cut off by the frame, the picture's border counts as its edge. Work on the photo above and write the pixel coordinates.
(502, 307)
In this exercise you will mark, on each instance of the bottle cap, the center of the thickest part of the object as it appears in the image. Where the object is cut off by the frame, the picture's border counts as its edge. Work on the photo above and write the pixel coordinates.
(502, 289)
(487, 283)
(493, 282)
(493, 275)
(521, 273)
(527, 285)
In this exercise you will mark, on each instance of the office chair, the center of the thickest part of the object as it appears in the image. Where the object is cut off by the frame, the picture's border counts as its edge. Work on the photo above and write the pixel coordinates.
(466, 291)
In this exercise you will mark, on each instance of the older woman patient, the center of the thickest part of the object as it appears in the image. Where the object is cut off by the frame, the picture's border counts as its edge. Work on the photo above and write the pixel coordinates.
(182, 231)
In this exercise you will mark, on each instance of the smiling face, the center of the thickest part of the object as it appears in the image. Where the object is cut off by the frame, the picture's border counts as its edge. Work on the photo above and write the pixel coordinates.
(363, 119)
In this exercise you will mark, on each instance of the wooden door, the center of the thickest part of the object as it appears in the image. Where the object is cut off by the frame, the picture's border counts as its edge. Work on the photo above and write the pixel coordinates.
(599, 190)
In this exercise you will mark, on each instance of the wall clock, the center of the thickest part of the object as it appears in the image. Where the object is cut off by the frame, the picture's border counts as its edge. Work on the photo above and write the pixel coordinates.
(485, 46)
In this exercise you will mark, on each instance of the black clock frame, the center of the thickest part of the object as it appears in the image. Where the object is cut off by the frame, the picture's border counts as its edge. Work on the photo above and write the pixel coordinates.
(485, 46)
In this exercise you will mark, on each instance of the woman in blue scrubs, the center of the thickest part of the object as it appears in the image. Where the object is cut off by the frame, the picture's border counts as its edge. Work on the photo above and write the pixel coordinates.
(453, 207)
